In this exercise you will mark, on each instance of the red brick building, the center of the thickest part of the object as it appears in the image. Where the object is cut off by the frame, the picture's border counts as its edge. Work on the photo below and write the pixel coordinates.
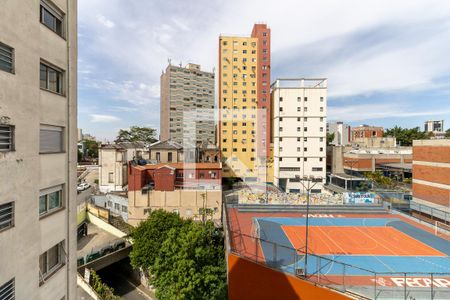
(171, 176)
(431, 174)
(262, 32)
(366, 131)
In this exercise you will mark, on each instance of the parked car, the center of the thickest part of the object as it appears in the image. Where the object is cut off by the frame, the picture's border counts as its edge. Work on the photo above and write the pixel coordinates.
(83, 186)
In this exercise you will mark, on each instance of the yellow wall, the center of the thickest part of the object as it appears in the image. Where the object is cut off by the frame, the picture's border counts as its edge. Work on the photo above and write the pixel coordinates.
(237, 114)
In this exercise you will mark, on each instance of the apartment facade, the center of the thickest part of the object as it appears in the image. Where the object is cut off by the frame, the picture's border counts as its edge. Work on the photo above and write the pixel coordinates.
(187, 104)
(431, 173)
(299, 132)
(341, 131)
(38, 150)
(244, 102)
(113, 163)
(188, 189)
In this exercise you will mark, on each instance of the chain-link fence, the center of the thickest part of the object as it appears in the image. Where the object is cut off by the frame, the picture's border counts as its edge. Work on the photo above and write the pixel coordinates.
(341, 276)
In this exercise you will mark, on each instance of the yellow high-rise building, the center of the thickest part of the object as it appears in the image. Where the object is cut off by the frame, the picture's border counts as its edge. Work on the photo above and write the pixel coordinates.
(244, 102)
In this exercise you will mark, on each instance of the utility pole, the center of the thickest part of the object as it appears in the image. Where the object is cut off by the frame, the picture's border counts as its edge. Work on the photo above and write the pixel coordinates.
(314, 180)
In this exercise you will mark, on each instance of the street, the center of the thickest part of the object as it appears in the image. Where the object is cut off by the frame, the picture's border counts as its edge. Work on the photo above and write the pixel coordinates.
(119, 276)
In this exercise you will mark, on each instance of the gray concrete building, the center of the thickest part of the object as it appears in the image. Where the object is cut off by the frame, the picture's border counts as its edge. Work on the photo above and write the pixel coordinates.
(187, 105)
(38, 149)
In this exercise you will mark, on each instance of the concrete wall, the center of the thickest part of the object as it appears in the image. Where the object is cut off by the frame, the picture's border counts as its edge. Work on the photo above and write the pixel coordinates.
(249, 280)
(25, 172)
(186, 202)
(112, 161)
(177, 156)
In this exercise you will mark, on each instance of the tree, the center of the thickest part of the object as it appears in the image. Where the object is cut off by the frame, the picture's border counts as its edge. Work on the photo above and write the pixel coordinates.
(183, 259)
(330, 138)
(137, 134)
(191, 263)
(91, 148)
(447, 133)
(149, 235)
(405, 136)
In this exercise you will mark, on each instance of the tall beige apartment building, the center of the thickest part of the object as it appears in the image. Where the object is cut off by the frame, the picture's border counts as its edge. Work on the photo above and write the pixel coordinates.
(38, 135)
(244, 102)
(187, 105)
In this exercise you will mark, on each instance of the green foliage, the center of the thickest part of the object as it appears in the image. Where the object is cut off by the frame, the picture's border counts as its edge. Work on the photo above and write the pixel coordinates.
(104, 291)
(330, 138)
(137, 134)
(379, 179)
(149, 236)
(91, 148)
(447, 133)
(184, 259)
(80, 156)
(191, 264)
(362, 187)
(405, 136)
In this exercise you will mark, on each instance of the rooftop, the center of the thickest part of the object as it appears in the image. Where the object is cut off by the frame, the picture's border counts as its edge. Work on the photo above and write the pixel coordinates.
(300, 83)
(181, 166)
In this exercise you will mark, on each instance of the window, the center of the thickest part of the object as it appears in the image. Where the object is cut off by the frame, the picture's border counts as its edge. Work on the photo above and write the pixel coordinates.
(51, 79)
(321, 109)
(6, 137)
(110, 177)
(321, 149)
(116, 206)
(52, 18)
(298, 149)
(305, 149)
(6, 215)
(50, 200)
(299, 129)
(51, 260)
(169, 157)
(299, 99)
(280, 159)
(51, 139)
(305, 119)
(6, 58)
(7, 290)
(305, 139)
(321, 159)
(158, 156)
(305, 159)
(290, 169)
(147, 211)
(316, 169)
(299, 109)
(305, 109)
(281, 99)
(305, 128)
(306, 99)
(321, 99)
(281, 109)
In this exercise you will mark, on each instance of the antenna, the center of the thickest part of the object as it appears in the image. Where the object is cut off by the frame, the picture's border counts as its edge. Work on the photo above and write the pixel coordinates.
(170, 61)
(181, 64)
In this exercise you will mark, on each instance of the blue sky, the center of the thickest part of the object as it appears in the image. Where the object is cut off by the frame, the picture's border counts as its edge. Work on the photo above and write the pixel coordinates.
(387, 62)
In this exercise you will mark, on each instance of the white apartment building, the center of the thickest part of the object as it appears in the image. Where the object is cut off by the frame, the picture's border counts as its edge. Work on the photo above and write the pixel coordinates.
(342, 133)
(113, 164)
(299, 132)
(38, 149)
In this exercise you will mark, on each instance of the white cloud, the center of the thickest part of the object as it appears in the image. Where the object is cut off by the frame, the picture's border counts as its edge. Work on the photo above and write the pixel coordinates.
(105, 22)
(129, 91)
(96, 118)
(362, 112)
